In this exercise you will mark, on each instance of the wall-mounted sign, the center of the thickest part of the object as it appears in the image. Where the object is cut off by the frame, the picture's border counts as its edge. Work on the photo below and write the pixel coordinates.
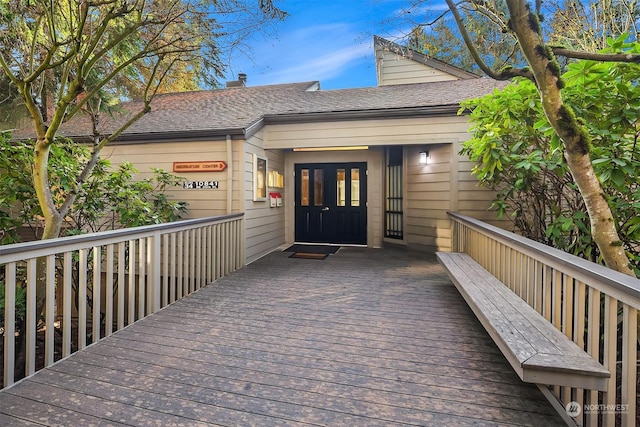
(200, 185)
(210, 166)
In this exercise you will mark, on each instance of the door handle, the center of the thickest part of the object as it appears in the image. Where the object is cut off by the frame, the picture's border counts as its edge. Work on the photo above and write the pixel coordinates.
(326, 208)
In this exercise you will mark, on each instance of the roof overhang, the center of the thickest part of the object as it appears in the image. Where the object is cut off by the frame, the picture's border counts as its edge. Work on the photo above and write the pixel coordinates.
(386, 113)
(183, 136)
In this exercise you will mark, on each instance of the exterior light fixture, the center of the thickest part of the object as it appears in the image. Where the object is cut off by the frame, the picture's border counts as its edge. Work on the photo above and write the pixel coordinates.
(423, 158)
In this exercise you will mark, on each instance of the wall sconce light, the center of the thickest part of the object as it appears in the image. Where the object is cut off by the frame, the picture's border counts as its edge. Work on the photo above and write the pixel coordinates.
(423, 158)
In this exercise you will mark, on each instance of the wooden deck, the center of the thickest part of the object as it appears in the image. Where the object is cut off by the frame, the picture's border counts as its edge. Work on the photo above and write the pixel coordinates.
(363, 338)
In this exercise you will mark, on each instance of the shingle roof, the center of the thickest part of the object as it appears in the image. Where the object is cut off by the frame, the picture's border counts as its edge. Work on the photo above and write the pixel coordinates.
(237, 109)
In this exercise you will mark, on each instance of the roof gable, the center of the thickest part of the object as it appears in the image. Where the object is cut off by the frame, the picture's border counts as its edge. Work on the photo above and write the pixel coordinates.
(397, 64)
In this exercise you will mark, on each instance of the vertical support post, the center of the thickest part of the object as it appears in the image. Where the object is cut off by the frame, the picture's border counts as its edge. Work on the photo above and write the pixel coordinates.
(153, 272)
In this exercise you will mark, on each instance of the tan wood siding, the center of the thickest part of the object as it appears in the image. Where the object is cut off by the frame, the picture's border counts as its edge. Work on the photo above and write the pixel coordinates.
(395, 69)
(366, 132)
(202, 203)
(264, 225)
(442, 185)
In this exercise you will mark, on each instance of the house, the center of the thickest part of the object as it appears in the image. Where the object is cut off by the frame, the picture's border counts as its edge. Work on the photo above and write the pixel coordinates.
(367, 166)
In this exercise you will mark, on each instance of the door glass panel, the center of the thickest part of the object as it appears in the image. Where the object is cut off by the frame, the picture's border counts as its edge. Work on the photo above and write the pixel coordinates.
(355, 187)
(318, 187)
(340, 190)
(304, 187)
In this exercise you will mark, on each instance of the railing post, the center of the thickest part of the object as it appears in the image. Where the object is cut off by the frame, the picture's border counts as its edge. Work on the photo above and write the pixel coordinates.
(153, 270)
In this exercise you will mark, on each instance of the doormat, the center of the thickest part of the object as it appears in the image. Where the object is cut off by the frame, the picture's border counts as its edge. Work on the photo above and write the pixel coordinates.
(308, 255)
(313, 249)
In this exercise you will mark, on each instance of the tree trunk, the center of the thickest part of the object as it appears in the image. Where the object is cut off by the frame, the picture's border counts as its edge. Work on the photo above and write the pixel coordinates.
(52, 218)
(575, 138)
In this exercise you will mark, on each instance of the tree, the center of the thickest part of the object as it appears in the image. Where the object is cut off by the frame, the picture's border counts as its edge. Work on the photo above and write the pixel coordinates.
(69, 57)
(72, 57)
(110, 198)
(544, 70)
(587, 25)
(442, 41)
(518, 154)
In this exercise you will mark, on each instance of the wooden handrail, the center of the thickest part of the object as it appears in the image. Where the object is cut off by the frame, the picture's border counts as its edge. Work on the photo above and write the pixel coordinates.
(589, 303)
(117, 277)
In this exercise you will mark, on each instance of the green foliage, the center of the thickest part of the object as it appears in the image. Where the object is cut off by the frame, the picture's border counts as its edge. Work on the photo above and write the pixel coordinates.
(109, 199)
(519, 155)
(21, 303)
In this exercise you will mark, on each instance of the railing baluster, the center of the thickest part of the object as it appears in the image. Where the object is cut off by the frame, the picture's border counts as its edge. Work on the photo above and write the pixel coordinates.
(187, 265)
(95, 294)
(122, 285)
(547, 291)
(217, 257)
(9, 323)
(193, 251)
(199, 258)
(180, 263)
(210, 252)
(593, 345)
(142, 278)
(172, 269)
(609, 360)
(154, 286)
(165, 270)
(629, 364)
(108, 292)
(131, 303)
(82, 299)
(67, 295)
(31, 318)
(50, 304)
(567, 311)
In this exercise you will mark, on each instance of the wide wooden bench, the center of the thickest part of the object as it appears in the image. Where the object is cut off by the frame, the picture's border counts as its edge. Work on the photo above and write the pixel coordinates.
(535, 348)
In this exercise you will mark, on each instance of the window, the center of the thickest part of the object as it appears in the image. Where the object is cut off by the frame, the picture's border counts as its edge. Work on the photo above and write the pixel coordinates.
(304, 187)
(355, 187)
(393, 194)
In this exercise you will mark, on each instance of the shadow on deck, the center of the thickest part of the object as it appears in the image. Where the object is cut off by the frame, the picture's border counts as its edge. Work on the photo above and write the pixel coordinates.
(365, 337)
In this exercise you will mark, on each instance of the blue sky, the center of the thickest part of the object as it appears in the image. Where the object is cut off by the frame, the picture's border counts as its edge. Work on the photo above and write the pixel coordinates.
(330, 41)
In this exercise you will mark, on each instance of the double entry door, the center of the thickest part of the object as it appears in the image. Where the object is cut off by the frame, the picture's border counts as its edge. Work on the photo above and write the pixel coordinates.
(331, 203)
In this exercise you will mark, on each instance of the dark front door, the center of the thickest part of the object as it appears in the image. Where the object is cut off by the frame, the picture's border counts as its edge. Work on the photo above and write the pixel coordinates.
(331, 203)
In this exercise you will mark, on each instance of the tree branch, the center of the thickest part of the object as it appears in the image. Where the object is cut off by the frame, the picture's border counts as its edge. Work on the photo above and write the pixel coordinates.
(604, 57)
(506, 73)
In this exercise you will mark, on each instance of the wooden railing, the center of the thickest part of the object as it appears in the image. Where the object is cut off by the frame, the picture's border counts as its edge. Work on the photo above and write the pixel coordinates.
(83, 288)
(594, 306)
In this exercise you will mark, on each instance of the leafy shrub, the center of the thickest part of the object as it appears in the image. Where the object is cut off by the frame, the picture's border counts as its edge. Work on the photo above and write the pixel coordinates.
(518, 154)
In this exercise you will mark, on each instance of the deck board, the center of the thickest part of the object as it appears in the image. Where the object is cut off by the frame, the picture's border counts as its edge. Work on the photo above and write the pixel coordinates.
(365, 337)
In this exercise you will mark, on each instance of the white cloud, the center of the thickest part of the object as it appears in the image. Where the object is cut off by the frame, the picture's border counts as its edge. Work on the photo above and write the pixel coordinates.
(313, 53)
